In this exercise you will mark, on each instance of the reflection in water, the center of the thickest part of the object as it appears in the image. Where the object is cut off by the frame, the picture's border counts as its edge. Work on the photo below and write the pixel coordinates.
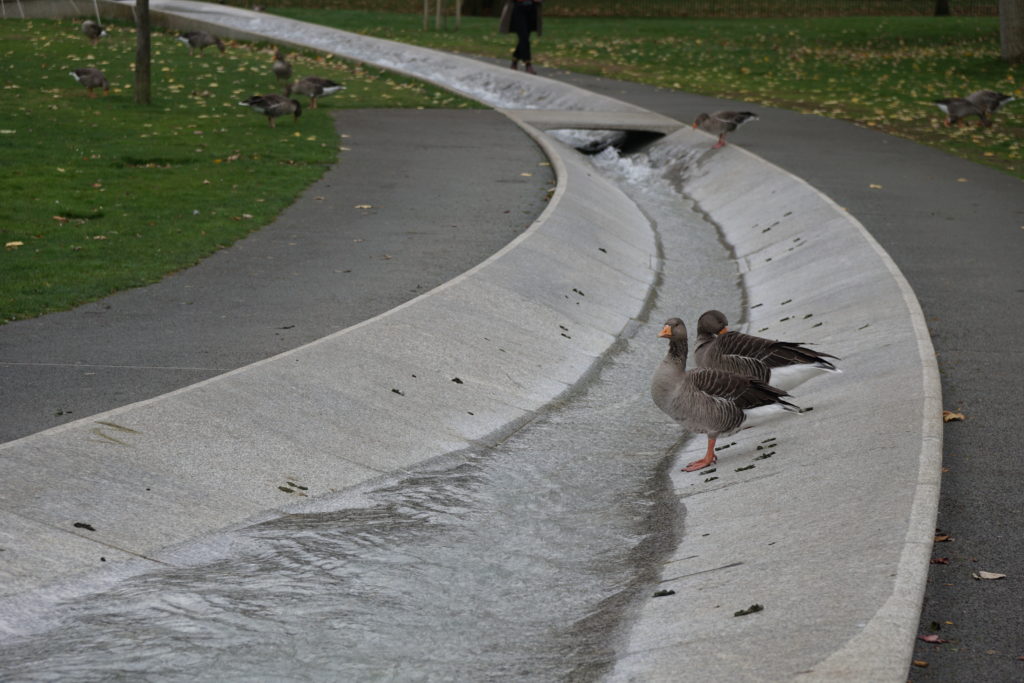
(519, 562)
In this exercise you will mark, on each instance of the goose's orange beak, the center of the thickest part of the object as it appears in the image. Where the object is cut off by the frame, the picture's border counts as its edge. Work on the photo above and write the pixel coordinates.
(724, 330)
(665, 331)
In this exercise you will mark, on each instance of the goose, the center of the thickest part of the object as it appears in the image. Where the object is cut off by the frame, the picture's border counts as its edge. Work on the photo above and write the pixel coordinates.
(707, 401)
(989, 101)
(281, 68)
(91, 78)
(782, 364)
(959, 108)
(273, 106)
(93, 31)
(313, 87)
(200, 40)
(721, 123)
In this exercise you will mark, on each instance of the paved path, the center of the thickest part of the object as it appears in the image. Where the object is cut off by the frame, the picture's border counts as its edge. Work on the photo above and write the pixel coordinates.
(956, 230)
(322, 266)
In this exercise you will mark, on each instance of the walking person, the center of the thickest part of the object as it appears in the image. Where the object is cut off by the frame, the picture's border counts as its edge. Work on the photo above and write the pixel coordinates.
(521, 17)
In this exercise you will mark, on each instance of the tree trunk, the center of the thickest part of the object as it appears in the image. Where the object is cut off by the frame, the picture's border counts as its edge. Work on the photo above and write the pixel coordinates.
(142, 52)
(1011, 30)
(942, 8)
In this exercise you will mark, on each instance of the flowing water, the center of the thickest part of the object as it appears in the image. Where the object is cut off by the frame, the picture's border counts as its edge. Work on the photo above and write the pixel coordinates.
(520, 562)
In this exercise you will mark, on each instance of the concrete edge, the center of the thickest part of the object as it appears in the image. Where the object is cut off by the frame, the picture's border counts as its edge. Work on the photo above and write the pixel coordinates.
(898, 617)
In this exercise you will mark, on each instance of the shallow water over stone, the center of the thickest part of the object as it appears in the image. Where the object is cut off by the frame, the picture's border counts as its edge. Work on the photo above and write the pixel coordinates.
(519, 562)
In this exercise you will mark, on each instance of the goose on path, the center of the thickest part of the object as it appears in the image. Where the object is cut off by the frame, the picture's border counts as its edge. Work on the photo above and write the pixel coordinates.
(93, 31)
(782, 364)
(273, 106)
(200, 40)
(281, 67)
(313, 87)
(959, 108)
(91, 78)
(721, 123)
(707, 401)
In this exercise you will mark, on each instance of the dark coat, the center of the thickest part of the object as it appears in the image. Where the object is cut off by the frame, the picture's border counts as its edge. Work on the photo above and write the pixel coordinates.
(505, 23)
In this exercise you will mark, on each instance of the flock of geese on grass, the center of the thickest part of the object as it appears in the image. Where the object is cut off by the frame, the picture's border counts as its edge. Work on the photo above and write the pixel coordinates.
(271, 105)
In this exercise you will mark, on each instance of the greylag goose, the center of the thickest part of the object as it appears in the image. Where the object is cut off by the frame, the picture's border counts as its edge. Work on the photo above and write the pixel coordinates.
(779, 363)
(721, 123)
(313, 87)
(273, 106)
(957, 109)
(93, 31)
(707, 401)
(91, 78)
(200, 40)
(281, 68)
(989, 101)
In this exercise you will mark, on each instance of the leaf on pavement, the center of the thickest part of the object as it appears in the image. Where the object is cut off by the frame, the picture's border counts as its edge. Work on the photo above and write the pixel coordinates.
(932, 638)
(989, 576)
(950, 416)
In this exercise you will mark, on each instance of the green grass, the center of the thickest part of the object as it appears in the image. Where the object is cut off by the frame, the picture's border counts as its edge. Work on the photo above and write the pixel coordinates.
(102, 194)
(882, 72)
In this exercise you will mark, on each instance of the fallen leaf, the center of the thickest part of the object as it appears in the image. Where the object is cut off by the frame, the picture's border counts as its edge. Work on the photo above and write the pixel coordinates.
(988, 576)
(961, 180)
(950, 416)
(943, 538)
(364, 206)
(60, 219)
(14, 245)
(875, 187)
(753, 609)
(920, 663)
(932, 638)
(940, 560)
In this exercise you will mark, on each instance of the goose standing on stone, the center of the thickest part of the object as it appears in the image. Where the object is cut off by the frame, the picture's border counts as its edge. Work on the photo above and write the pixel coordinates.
(707, 401)
(200, 40)
(780, 363)
(273, 106)
(313, 87)
(281, 68)
(959, 108)
(91, 78)
(93, 31)
(989, 101)
(721, 123)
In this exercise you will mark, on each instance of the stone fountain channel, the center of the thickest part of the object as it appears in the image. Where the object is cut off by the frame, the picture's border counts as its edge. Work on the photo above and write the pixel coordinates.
(519, 562)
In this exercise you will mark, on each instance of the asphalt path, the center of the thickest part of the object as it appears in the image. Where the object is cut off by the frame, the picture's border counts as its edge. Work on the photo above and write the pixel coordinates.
(445, 189)
(956, 230)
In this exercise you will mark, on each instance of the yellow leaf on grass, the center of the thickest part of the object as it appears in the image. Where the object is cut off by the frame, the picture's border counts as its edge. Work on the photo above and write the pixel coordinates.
(14, 245)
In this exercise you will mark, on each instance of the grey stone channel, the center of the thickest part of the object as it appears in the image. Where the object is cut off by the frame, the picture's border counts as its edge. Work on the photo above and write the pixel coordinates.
(519, 562)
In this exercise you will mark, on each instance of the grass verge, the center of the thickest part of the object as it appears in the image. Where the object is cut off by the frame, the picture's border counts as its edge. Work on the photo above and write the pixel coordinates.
(103, 194)
(882, 72)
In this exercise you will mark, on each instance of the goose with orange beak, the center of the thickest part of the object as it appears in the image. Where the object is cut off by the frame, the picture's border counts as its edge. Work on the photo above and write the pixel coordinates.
(708, 401)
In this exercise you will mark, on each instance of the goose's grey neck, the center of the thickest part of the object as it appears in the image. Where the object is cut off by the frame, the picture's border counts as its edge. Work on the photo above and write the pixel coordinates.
(677, 350)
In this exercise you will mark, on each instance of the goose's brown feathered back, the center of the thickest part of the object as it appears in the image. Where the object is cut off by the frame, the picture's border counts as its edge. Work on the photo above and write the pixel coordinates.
(746, 354)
